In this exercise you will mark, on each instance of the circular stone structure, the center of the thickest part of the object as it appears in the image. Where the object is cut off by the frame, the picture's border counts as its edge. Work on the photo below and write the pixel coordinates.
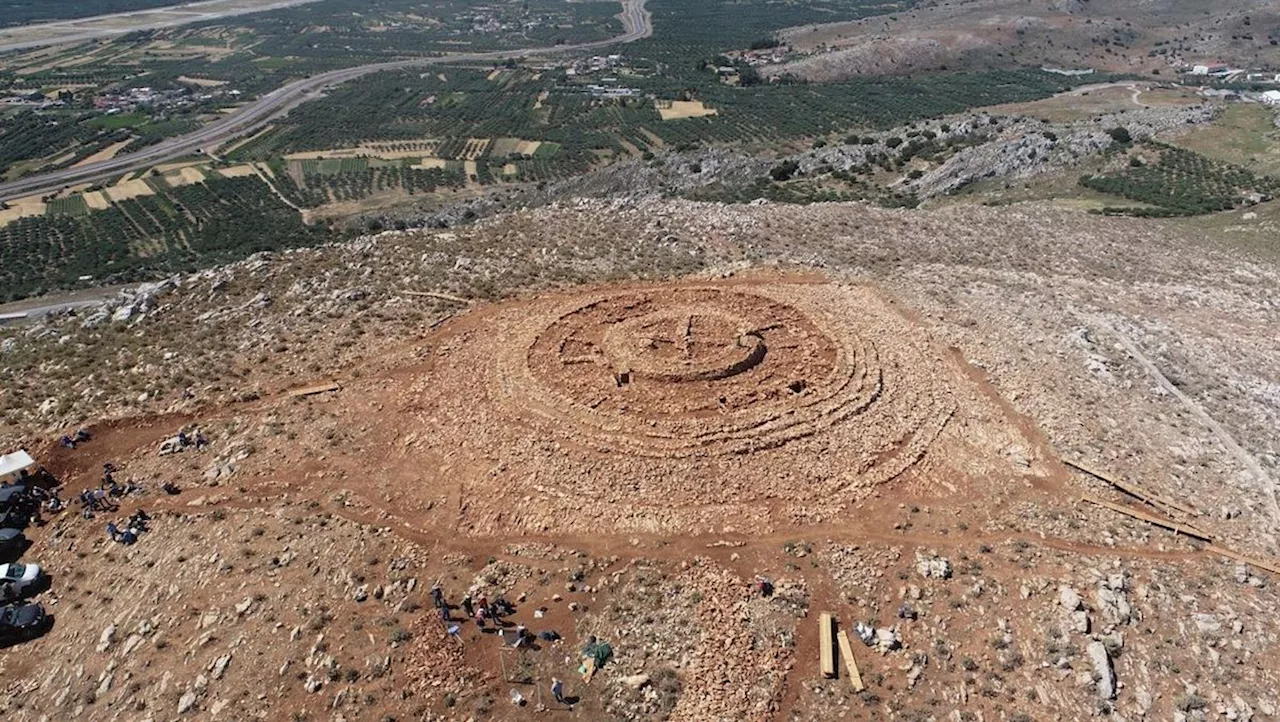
(682, 406)
(691, 370)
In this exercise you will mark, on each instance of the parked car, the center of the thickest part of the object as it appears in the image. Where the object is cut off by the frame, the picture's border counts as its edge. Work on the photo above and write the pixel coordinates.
(20, 580)
(12, 540)
(14, 519)
(20, 622)
(16, 500)
(11, 493)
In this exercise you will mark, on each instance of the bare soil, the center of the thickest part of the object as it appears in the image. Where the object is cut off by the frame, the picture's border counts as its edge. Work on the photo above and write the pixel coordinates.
(841, 399)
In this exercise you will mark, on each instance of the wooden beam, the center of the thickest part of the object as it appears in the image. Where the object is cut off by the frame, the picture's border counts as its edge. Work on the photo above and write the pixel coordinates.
(313, 390)
(1232, 554)
(1133, 490)
(826, 624)
(850, 664)
(1150, 519)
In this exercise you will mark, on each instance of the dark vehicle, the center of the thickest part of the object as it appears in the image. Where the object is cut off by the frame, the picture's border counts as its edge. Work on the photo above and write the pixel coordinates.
(12, 542)
(14, 519)
(15, 499)
(12, 493)
(21, 622)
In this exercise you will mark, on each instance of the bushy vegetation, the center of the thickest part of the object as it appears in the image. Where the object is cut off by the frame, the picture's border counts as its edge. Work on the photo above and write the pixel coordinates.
(220, 220)
(347, 185)
(1177, 182)
(398, 106)
(26, 135)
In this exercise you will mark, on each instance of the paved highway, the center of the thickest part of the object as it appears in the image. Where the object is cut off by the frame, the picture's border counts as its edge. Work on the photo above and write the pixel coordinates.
(248, 119)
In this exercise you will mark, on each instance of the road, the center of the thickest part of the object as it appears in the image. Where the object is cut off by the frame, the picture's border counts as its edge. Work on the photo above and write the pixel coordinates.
(636, 23)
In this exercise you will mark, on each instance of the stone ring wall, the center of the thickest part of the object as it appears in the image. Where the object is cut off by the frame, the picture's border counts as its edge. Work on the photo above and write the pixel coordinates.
(690, 371)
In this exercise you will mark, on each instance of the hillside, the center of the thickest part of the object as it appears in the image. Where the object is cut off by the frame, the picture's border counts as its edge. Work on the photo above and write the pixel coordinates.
(616, 414)
(1147, 38)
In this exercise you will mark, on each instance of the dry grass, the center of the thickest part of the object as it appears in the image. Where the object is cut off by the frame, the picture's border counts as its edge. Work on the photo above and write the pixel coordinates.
(96, 201)
(237, 171)
(677, 109)
(201, 82)
(124, 190)
(21, 208)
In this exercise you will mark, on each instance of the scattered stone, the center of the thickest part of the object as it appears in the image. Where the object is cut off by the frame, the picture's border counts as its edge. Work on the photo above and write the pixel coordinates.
(933, 568)
(1069, 599)
(107, 639)
(1206, 623)
(219, 666)
(636, 681)
(1103, 673)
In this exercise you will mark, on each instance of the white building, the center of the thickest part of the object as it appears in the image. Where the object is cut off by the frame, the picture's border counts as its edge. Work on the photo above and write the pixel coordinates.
(1209, 69)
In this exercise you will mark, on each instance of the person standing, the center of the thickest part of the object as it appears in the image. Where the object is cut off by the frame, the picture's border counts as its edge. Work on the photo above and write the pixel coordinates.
(557, 690)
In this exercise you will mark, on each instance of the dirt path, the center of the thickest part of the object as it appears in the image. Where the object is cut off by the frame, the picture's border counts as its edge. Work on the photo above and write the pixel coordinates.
(266, 179)
(1244, 458)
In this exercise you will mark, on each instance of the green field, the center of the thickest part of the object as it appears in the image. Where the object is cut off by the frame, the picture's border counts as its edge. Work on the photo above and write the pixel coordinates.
(69, 206)
(120, 120)
(220, 220)
(1245, 135)
(1171, 181)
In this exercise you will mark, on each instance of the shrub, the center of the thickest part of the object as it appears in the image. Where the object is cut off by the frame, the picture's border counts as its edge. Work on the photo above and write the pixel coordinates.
(784, 170)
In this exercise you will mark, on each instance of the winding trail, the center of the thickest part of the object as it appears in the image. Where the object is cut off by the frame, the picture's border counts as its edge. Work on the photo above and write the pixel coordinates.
(636, 21)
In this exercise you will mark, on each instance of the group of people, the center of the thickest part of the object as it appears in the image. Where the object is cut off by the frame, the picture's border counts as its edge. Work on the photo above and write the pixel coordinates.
(488, 613)
(184, 440)
(103, 498)
(30, 495)
(69, 441)
(136, 524)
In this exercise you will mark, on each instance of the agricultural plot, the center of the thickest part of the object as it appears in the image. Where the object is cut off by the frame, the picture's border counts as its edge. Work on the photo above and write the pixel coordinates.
(678, 109)
(181, 228)
(73, 205)
(237, 171)
(29, 136)
(1176, 182)
(474, 148)
(315, 189)
(575, 130)
(1245, 135)
(22, 208)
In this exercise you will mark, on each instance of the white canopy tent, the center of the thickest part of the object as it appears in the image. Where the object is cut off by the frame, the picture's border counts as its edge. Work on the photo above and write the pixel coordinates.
(11, 464)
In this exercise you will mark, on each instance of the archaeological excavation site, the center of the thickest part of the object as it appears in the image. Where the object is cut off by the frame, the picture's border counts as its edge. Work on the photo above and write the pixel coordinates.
(695, 463)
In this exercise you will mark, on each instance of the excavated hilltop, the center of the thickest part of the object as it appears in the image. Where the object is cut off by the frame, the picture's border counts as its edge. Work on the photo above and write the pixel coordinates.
(1025, 456)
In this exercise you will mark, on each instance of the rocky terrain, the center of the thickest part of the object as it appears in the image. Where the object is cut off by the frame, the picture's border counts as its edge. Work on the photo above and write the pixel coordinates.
(1003, 147)
(1155, 37)
(371, 434)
